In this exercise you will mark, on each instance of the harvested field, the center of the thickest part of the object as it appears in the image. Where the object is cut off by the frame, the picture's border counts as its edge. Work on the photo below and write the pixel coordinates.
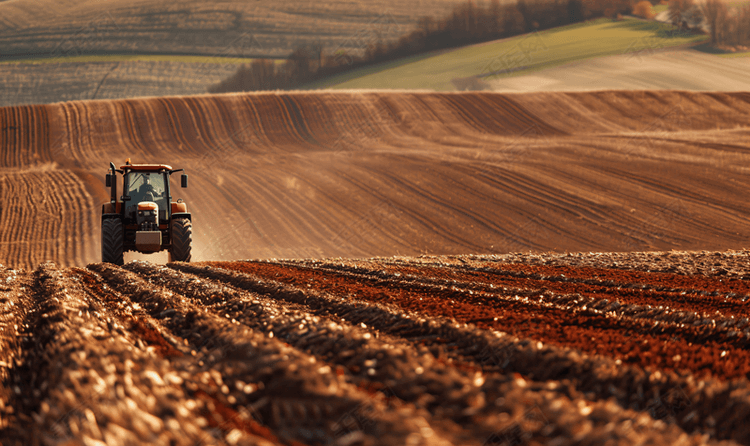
(42, 83)
(50, 28)
(400, 350)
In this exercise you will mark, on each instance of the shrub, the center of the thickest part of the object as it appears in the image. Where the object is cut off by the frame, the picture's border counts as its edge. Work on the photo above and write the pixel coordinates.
(644, 9)
(678, 10)
(259, 75)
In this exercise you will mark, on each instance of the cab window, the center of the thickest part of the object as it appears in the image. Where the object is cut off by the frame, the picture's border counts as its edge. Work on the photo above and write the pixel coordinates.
(148, 186)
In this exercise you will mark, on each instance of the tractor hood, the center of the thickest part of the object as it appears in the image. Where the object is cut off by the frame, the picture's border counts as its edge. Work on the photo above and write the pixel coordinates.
(147, 206)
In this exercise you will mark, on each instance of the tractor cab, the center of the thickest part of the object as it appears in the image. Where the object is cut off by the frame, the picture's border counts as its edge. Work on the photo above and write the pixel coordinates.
(147, 196)
(144, 218)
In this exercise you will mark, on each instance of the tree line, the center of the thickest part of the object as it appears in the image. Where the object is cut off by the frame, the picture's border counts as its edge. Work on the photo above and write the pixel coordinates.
(468, 23)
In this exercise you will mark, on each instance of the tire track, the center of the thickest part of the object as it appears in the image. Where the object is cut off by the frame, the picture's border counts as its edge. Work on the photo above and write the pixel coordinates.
(174, 123)
(421, 212)
(297, 120)
(448, 149)
(473, 107)
(23, 134)
(200, 122)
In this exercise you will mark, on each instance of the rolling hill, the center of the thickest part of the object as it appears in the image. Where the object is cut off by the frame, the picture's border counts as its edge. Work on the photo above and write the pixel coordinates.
(382, 173)
(493, 62)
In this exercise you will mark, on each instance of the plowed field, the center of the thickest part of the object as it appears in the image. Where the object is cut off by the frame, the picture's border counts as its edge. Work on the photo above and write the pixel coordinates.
(431, 350)
(361, 174)
(625, 348)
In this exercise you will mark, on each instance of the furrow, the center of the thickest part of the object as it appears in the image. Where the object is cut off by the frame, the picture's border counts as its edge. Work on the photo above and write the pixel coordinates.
(730, 288)
(84, 379)
(729, 264)
(645, 290)
(300, 399)
(633, 341)
(200, 381)
(391, 366)
(708, 406)
(713, 327)
(15, 304)
(480, 403)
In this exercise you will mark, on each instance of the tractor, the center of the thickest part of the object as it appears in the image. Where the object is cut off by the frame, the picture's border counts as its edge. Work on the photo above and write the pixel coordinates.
(145, 219)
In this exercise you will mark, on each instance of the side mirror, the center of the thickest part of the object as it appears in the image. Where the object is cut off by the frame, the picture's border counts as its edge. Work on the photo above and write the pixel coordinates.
(108, 180)
(183, 180)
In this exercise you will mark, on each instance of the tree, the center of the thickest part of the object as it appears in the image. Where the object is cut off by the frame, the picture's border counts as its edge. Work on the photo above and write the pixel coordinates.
(316, 53)
(575, 11)
(427, 25)
(743, 25)
(300, 63)
(716, 13)
(693, 17)
(644, 9)
(678, 10)
(513, 22)
(495, 14)
(525, 11)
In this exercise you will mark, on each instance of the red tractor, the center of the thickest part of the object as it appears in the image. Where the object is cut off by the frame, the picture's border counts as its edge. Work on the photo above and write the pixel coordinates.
(144, 218)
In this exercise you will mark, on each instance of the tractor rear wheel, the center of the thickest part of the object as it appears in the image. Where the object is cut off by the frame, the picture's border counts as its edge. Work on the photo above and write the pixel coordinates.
(112, 241)
(182, 240)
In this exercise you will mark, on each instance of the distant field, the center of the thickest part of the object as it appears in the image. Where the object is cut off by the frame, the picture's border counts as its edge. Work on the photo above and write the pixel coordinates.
(47, 28)
(515, 56)
(664, 69)
(24, 83)
(52, 51)
(134, 58)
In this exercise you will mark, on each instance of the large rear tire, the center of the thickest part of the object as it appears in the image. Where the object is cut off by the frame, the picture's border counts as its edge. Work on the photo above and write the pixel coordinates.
(112, 241)
(182, 240)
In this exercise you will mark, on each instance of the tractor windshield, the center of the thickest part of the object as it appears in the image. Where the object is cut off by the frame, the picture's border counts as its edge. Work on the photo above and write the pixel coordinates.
(148, 186)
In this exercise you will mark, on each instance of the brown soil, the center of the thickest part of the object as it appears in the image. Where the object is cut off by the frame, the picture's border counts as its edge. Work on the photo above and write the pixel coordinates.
(321, 174)
(471, 349)
(361, 352)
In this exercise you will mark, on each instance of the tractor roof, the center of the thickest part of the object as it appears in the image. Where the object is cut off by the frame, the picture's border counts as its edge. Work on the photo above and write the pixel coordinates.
(146, 167)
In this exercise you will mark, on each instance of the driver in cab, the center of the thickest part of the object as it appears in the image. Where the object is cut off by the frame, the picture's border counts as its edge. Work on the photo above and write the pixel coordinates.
(147, 188)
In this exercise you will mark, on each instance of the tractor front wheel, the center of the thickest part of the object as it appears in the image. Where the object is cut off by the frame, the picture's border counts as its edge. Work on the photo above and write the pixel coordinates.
(182, 240)
(112, 241)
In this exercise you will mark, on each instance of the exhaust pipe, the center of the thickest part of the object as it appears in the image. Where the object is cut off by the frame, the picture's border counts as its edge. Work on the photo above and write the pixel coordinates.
(113, 188)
